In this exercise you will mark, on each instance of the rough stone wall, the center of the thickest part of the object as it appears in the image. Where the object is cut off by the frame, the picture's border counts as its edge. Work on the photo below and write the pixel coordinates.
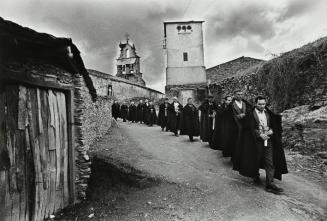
(92, 120)
(229, 69)
(123, 89)
(293, 79)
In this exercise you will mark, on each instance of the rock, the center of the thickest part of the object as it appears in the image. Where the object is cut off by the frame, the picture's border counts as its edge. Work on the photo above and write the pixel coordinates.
(322, 154)
(91, 215)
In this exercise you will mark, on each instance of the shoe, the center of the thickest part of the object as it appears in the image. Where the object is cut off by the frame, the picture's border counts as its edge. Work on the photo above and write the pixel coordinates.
(274, 189)
(256, 180)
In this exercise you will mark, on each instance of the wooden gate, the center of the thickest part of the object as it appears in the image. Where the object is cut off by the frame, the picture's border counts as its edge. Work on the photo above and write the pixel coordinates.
(33, 152)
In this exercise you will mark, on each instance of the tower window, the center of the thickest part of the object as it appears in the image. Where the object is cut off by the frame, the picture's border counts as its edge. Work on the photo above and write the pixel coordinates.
(127, 53)
(185, 56)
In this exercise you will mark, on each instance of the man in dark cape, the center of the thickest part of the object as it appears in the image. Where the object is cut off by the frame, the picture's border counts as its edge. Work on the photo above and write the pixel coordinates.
(221, 125)
(262, 146)
(115, 109)
(140, 110)
(132, 112)
(124, 111)
(174, 112)
(146, 112)
(151, 114)
(190, 120)
(163, 115)
(208, 111)
(234, 117)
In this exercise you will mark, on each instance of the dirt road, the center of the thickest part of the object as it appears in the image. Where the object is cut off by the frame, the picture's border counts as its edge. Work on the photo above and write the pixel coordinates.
(194, 183)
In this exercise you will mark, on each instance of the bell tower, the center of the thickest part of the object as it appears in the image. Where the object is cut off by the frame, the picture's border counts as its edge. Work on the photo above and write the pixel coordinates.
(185, 70)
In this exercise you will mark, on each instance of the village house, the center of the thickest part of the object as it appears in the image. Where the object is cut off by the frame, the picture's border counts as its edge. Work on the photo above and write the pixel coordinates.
(49, 115)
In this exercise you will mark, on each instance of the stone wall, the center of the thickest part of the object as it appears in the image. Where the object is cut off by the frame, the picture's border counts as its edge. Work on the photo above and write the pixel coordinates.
(229, 69)
(92, 120)
(123, 89)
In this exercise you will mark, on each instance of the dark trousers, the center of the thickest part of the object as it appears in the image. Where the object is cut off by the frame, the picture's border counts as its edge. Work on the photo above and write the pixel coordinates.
(165, 123)
(266, 157)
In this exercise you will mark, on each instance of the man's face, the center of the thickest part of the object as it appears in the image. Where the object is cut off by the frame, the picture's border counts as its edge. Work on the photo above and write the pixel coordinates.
(261, 104)
(146, 101)
(228, 100)
(132, 102)
(210, 99)
(166, 101)
(238, 95)
(190, 101)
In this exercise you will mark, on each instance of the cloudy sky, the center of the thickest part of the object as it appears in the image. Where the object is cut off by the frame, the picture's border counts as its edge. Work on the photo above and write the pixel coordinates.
(233, 28)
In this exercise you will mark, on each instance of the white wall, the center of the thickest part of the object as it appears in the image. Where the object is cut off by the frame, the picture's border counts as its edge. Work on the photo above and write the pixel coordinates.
(177, 42)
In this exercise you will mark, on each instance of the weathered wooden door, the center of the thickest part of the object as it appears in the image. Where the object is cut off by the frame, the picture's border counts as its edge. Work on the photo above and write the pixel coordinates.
(33, 152)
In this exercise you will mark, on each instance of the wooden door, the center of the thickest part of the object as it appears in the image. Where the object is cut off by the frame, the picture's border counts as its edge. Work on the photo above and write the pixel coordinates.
(33, 152)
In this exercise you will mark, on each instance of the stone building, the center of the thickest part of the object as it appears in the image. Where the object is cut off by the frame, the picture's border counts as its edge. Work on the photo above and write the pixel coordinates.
(50, 114)
(185, 71)
(128, 63)
(121, 88)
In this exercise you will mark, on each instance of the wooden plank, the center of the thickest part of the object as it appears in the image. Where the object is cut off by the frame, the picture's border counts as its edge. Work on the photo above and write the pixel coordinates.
(43, 163)
(44, 151)
(71, 147)
(33, 121)
(51, 124)
(12, 92)
(64, 156)
(3, 184)
(58, 140)
(52, 169)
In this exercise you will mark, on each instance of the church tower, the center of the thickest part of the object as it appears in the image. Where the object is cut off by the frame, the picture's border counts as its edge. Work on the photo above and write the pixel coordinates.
(128, 63)
(185, 70)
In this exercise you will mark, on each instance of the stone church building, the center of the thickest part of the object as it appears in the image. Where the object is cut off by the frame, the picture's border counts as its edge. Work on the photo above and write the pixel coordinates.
(128, 63)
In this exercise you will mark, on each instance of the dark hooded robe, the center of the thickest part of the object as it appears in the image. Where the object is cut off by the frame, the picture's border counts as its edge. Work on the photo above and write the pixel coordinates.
(190, 121)
(249, 158)
(151, 115)
(207, 119)
(140, 110)
(232, 140)
(174, 117)
(124, 112)
(163, 116)
(115, 110)
(132, 113)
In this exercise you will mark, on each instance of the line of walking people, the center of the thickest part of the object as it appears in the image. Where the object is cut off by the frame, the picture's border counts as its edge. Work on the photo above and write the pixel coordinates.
(144, 112)
(249, 134)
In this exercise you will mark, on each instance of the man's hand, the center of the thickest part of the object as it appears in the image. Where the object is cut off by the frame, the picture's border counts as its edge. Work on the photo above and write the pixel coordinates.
(270, 132)
(264, 136)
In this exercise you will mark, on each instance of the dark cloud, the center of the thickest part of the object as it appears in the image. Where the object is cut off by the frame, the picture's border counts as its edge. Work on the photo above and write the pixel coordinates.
(248, 20)
(297, 8)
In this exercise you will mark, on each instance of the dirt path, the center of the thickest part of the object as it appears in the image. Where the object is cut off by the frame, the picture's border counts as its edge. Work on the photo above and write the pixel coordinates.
(190, 181)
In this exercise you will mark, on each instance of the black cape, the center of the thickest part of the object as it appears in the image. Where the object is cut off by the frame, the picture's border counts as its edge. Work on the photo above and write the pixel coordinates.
(174, 117)
(206, 122)
(189, 124)
(140, 110)
(151, 115)
(124, 111)
(232, 140)
(132, 113)
(146, 116)
(162, 118)
(246, 160)
(220, 128)
(115, 110)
